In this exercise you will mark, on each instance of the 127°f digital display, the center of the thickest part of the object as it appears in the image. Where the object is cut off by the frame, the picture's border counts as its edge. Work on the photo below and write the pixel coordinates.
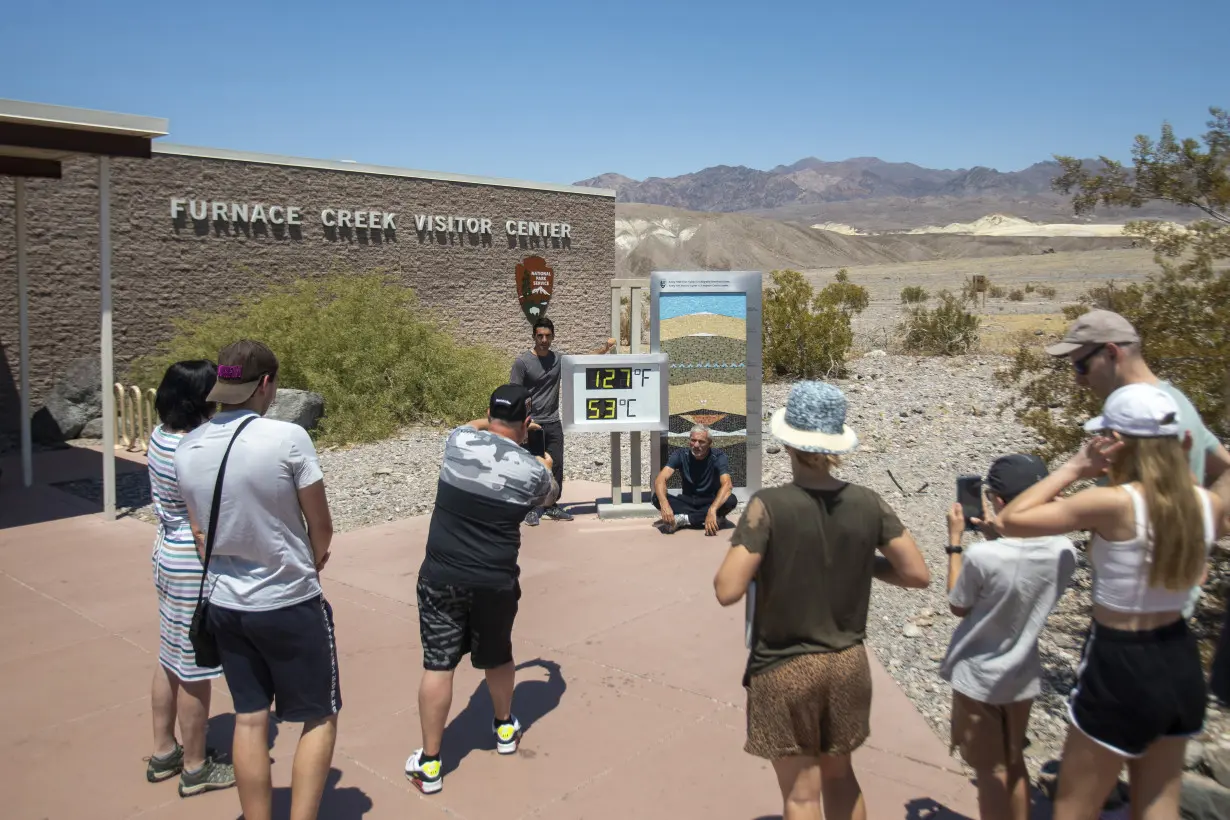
(608, 378)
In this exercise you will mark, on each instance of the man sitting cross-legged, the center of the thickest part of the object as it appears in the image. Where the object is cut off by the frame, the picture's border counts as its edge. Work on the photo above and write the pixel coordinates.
(708, 494)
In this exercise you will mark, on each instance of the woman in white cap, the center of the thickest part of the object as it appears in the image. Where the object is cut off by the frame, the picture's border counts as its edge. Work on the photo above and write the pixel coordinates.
(811, 547)
(1140, 690)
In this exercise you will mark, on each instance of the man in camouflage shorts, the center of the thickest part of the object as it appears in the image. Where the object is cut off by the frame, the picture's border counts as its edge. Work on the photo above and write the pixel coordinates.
(467, 589)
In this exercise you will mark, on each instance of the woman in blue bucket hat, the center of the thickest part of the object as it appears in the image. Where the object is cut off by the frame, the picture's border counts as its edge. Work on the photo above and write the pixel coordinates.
(812, 548)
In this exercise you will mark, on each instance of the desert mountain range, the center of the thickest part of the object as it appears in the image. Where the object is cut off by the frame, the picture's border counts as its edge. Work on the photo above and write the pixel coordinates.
(867, 193)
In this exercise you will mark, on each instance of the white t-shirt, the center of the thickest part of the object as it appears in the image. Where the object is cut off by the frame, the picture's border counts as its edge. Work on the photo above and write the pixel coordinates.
(262, 558)
(1010, 586)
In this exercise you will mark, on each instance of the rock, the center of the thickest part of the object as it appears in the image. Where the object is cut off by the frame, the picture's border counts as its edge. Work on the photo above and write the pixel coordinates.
(92, 429)
(1203, 799)
(298, 406)
(1217, 762)
(383, 471)
(773, 449)
(911, 630)
(75, 400)
(874, 354)
(1193, 755)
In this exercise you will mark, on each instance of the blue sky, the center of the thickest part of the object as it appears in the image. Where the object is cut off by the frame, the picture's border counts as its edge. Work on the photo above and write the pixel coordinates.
(559, 91)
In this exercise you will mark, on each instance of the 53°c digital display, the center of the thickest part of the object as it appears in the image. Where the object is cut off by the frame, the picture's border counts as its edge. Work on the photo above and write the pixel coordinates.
(608, 378)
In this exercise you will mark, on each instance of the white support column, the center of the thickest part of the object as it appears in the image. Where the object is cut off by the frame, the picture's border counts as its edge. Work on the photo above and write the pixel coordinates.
(106, 358)
(617, 483)
(23, 335)
(634, 438)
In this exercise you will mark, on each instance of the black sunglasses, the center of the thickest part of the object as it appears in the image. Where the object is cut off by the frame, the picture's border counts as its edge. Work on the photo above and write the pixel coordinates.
(1081, 365)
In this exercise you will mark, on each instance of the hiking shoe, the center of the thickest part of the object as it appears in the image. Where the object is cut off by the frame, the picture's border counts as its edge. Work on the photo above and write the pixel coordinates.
(507, 735)
(532, 518)
(427, 777)
(209, 778)
(556, 514)
(164, 768)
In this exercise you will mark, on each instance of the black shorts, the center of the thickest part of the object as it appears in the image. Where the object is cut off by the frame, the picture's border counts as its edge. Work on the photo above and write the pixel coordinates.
(455, 620)
(1133, 688)
(285, 656)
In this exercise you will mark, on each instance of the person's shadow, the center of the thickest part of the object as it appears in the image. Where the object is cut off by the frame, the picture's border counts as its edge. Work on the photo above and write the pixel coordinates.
(220, 734)
(335, 804)
(471, 730)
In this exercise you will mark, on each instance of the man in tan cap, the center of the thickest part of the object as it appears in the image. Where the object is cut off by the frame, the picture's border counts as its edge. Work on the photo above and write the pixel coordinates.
(263, 527)
(1106, 354)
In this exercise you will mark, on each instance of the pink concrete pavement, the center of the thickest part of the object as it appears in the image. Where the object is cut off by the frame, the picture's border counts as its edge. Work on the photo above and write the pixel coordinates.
(629, 687)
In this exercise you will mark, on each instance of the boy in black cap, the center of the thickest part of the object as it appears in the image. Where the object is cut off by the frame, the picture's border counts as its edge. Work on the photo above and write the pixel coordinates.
(1003, 591)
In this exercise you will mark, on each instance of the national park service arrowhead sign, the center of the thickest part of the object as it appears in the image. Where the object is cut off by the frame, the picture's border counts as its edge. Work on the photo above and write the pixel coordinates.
(535, 283)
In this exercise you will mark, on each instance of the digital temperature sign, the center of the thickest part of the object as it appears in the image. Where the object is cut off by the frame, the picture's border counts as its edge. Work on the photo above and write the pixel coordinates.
(614, 393)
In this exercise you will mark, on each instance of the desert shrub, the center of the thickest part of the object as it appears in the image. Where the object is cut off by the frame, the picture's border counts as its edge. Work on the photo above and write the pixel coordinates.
(361, 341)
(913, 295)
(1046, 292)
(946, 330)
(1029, 288)
(807, 334)
(1016, 295)
(997, 291)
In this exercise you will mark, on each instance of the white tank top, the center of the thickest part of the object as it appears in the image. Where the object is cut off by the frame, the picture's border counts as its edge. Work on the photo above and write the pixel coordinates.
(1121, 568)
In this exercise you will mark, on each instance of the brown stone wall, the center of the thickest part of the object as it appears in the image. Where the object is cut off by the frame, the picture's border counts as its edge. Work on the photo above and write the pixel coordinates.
(164, 268)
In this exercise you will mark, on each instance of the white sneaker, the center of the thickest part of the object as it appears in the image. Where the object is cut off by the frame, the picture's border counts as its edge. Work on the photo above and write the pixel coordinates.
(426, 777)
(508, 736)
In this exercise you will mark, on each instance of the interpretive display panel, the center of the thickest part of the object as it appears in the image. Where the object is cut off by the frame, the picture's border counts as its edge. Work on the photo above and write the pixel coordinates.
(709, 325)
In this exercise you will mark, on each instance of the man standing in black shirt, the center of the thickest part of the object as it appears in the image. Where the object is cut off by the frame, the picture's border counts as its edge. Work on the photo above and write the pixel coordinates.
(708, 493)
(538, 370)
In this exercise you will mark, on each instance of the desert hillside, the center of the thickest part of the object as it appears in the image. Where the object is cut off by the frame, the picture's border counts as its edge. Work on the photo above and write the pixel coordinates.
(654, 237)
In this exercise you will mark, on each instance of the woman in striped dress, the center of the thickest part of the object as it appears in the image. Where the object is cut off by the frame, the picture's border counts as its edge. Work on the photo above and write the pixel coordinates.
(181, 689)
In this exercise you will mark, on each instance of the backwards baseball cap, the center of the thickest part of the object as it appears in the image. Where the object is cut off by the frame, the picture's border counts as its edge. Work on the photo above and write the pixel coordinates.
(509, 403)
(240, 368)
(1096, 327)
(1009, 476)
(1138, 410)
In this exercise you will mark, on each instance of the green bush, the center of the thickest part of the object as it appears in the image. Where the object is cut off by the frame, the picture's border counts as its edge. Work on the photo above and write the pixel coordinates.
(997, 292)
(807, 334)
(913, 295)
(1016, 296)
(1029, 288)
(361, 341)
(1046, 292)
(947, 330)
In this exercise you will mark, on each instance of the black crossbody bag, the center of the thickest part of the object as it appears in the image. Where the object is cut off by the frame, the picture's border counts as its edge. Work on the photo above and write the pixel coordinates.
(204, 644)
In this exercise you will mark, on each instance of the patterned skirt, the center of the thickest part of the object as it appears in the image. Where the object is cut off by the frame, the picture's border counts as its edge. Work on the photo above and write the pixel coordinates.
(177, 577)
(810, 705)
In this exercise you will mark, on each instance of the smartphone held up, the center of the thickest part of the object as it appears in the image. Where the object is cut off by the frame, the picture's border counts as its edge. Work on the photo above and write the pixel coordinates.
(969, 496)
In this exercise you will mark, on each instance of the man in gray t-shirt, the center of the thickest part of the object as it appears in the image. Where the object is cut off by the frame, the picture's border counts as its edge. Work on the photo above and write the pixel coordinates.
(538, 370)
(267, 612)
(1003, 591)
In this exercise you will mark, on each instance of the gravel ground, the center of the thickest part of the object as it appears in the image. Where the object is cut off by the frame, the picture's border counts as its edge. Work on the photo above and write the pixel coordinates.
(926, 420)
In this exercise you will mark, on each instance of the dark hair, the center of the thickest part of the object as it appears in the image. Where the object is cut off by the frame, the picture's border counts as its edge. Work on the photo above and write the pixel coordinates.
(180, 400)
(544, 322)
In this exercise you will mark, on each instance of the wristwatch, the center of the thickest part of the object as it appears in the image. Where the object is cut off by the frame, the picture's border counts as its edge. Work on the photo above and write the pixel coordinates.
(951, 550)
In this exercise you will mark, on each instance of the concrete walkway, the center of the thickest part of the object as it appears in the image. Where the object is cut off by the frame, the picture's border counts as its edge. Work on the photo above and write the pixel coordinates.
(629, 683)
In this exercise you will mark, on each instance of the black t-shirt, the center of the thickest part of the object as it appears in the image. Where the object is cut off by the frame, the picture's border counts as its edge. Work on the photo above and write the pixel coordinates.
(702, 478)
